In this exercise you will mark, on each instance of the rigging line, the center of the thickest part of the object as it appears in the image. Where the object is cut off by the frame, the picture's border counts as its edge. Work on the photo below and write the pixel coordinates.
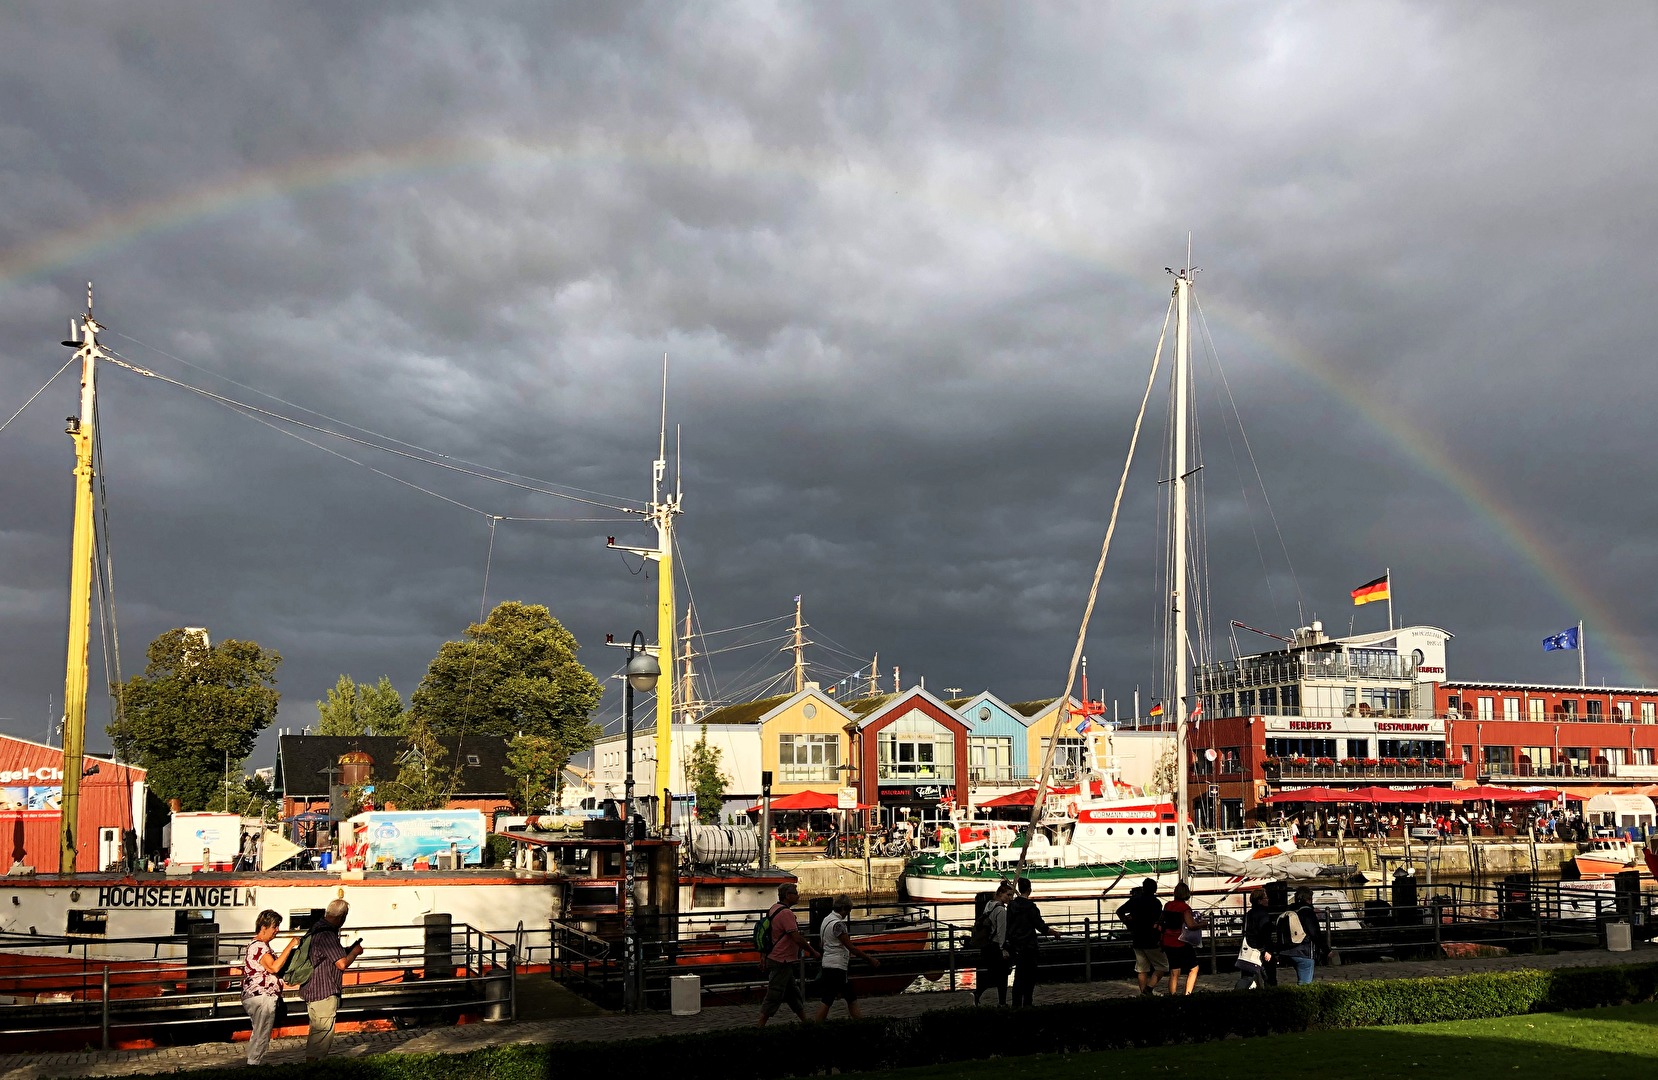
(41, 391)
(1061, 720)
(1249, 449)
(122, 361)
(744, 626)
(103, 537)
(356, 427)
(614, 521)
(472, 670)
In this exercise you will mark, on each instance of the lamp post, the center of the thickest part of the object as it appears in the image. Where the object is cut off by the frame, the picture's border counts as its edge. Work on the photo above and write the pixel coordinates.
(642, 673)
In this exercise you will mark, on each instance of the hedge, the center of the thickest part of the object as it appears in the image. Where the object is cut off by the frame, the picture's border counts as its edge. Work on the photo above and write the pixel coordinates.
(948, 1035)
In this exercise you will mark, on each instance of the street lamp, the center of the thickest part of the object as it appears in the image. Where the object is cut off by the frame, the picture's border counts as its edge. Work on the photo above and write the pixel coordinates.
(642, 673)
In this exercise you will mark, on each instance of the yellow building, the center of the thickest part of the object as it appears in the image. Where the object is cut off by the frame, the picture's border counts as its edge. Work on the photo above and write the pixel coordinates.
(803, 739)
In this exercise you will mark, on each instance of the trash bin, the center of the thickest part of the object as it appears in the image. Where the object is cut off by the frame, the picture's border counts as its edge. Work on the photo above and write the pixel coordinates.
(685, 995)
(1618, 937)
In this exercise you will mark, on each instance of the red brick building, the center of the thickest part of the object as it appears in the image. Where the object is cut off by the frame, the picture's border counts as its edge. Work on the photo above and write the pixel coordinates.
(910, 752)
(1572, 737)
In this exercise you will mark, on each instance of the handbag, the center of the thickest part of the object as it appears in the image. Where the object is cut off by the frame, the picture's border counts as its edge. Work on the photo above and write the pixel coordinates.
(1191, 936)
(1249, 954)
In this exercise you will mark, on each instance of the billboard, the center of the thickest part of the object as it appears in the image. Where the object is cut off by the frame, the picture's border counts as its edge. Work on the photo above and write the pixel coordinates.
(31, 802)
(402, 836)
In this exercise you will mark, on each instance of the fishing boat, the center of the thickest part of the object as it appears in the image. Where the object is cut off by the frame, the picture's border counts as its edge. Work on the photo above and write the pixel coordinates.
(1106, 838)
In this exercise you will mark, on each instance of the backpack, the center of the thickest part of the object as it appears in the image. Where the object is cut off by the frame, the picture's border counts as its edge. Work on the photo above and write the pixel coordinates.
(297, 969)
(1287, 931)
(762, 933)
(984, 935)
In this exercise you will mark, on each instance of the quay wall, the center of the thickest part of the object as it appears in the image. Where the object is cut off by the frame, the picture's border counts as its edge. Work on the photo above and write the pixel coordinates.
(1451, 858)
(826, 877)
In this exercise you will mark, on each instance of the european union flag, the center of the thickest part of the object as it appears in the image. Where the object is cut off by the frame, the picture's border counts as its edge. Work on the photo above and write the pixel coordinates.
(1566, 639)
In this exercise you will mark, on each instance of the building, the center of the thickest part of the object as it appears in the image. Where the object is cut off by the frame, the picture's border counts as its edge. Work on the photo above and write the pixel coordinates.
(1529, 734)
(113, 810)
(738, 742)
(303, 763)
(1336, 712)
(909, 752)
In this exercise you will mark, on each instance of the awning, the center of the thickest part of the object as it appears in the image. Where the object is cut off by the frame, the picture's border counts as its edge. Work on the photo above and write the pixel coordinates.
(1026, 797)
(1508, 795)
(1308, 794)
(801, 800)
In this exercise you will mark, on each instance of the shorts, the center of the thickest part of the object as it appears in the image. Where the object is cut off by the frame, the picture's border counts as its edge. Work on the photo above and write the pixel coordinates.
(832, 983)
(1150, 959)
(1181, 957)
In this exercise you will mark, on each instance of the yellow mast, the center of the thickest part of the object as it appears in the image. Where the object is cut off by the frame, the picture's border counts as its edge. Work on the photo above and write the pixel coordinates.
(81, 430)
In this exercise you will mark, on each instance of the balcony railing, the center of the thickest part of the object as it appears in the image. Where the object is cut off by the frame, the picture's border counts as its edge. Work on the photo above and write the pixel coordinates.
(1565, 770)
(1403, 770)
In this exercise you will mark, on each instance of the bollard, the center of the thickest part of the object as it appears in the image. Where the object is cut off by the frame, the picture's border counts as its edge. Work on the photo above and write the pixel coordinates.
(497, 998)
(103, 1008)
(1087, 950)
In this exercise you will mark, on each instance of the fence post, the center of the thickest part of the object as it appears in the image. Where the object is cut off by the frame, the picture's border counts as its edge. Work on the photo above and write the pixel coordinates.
(952, 951)
(104, 1009)
(1087, 950)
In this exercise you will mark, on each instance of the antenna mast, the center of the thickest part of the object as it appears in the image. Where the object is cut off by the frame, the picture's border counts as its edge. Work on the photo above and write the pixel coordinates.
(83, 337)
(1179, 675)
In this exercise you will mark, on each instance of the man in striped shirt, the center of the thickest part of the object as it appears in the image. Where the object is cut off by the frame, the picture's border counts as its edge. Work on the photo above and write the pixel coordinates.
(321, 992)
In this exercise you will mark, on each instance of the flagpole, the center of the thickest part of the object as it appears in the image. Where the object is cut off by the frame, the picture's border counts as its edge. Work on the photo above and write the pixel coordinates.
(1582, 658)
(1389, 575)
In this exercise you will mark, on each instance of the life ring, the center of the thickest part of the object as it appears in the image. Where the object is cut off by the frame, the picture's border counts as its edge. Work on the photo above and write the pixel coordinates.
(1071, 809)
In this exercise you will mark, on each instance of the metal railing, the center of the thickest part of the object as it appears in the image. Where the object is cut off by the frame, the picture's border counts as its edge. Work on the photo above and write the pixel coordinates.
(472, 971)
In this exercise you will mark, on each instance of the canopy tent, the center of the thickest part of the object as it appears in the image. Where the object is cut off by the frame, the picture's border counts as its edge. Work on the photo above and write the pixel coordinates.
(1411, 796)
(801, 800)
(1507, 795)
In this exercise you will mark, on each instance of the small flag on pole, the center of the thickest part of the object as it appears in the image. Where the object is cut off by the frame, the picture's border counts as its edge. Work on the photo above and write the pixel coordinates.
(1157, 710)
(1197, 714)
(1085, 726)
(1566, 639)
(1370, 591)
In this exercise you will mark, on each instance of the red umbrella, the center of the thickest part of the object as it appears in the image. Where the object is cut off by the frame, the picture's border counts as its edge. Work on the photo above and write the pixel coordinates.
(1308, 794)
(801, 800)
(1512, 795)
(1023, 798)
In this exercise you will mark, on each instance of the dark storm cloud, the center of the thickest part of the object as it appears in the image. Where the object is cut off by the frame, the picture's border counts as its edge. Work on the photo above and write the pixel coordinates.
(908, 264)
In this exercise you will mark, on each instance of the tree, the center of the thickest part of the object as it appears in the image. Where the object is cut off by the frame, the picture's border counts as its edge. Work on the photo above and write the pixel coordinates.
(356, 708)
(516, 672)
(1165, 775)
(423, 781)
(706, 781)
(533, 763)
(194, 705)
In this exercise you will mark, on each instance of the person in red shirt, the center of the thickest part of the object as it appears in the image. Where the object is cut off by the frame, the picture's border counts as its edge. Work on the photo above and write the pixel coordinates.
(787, 943)
(1182, 930)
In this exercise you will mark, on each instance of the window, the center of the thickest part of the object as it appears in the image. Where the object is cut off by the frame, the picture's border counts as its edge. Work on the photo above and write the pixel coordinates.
(915, 747)
(1467, 752)
(1246, 702)
(472, 760)
(1307, 748)
(1409, 748)
(1594, 711)
(1623, 711)
(1616, 755)
(1649, 712)
(95, 923)
(1228, 705)
(1566, 710)
(1540, 758)
(1289, 700)
(808, 759)
(1577, 757)
(1358, 748)
(1485, 711)
(1068, 758)
(1511, 708)
(1534, 709)
(1231, 760)
(1643, 756)
(1499, 758)
(990, 758)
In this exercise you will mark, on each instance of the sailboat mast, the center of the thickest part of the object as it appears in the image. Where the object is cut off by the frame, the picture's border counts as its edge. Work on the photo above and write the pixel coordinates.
(1178, 672)
(662, 511)
(81, 430)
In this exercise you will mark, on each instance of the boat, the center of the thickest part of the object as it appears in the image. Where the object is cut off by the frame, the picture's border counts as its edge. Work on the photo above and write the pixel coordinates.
(1106, 839)
(1607, 858)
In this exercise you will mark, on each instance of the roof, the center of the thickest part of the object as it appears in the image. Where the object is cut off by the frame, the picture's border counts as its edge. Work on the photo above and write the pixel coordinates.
(1031, 708)
(1552, 688)
(746, 712)
(301, 759)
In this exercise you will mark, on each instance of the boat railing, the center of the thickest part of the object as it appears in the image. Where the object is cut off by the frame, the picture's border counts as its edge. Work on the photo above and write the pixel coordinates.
(461, 971)
(1240, 839)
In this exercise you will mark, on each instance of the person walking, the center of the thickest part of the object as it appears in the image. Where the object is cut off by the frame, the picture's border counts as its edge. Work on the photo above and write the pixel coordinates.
(838, 952)
(1181, 934)
(321, 992)
(1142, 913)
(1301, 953)
(1256, 952)
(787, 943)
(261, 989)
(993, 950)
(1024, 925)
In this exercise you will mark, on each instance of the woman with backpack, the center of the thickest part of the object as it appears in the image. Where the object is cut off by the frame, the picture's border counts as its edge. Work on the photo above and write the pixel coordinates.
(1305, 921)
(1182, 932)
(990, 938)
(1255, 954)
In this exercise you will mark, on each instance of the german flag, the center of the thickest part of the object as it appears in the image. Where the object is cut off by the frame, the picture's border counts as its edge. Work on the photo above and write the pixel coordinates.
(1157, 710)
(1370, 591)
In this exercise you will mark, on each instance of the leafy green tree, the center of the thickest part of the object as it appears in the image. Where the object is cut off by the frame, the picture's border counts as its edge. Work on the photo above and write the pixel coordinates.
(356, 708)
(195, 704)
(252, 798)
(534, 763)
(704, 778)
(423, 781)
(516, 672)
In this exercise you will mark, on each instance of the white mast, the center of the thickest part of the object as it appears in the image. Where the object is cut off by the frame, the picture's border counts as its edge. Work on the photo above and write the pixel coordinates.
(1178, 673)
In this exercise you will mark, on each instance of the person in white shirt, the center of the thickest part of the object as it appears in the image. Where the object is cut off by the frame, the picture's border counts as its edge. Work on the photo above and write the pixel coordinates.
(838, 952)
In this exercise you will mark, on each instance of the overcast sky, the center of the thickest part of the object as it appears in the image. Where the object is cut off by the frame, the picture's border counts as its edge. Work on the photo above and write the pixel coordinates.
(908, 263)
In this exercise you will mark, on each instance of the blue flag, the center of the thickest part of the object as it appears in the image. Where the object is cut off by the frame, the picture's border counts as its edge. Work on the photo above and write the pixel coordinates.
(1566, 639)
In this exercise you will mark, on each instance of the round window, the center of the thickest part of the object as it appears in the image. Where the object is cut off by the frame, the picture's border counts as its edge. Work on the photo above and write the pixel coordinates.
(809, 711)
(1416, 657)
(984, 712)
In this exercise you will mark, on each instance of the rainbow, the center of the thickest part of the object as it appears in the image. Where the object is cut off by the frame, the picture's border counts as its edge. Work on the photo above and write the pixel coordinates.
(74, 247)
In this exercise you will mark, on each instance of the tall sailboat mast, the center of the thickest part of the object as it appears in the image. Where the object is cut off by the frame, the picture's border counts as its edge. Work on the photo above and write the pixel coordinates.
(83, 337)
(1179, 675)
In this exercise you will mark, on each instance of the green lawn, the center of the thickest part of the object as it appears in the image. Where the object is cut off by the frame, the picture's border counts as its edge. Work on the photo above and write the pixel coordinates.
(1616, 1043)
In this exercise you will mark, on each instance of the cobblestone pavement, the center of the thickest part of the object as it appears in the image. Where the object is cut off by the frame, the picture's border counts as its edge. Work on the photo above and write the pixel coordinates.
(472, 1036)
